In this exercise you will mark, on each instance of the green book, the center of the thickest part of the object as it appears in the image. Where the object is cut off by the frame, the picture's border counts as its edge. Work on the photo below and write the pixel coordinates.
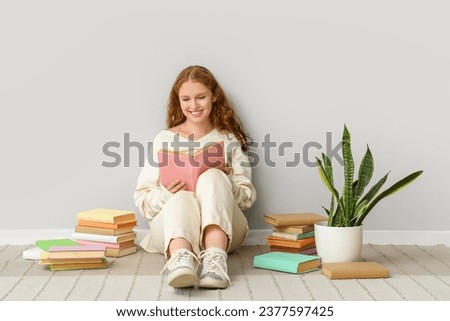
(46, 244)
(293, 236)
(286, 262)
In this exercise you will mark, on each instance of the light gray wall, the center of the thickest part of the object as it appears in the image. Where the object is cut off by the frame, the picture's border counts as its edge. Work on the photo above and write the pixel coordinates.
(76, 76)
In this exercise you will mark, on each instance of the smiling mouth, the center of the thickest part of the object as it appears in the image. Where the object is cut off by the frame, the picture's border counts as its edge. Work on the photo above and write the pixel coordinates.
(196, 112)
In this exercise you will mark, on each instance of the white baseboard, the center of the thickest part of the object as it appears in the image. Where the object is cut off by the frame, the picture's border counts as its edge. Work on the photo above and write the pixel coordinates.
(29, 236)
(407, 237)
(377, 237)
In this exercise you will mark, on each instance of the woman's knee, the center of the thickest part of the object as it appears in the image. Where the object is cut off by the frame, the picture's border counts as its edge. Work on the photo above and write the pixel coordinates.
(212, 176)
(179, 203)
(179, 197)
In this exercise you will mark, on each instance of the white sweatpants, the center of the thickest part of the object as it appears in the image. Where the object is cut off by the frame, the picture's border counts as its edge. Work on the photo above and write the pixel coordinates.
(186, 214)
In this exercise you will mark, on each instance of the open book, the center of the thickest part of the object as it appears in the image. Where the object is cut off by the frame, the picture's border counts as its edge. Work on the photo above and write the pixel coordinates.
(187, 167)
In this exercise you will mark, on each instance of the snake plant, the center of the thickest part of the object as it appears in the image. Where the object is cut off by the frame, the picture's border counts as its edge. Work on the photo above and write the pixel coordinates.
(350, 207)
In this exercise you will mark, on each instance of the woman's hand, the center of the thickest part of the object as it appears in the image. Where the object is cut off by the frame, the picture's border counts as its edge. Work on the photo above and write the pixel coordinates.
(226, 170)
(176, 186)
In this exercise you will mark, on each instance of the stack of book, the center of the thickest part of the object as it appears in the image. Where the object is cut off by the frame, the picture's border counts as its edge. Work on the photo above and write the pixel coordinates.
(65, 254)
(111, 228)
(293, 232)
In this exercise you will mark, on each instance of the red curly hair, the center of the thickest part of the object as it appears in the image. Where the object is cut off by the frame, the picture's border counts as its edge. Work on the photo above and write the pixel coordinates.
(223, 116)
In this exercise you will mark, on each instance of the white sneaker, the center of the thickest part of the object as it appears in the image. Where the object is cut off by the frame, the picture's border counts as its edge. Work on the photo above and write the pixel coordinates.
(214, 272)
(182, 267)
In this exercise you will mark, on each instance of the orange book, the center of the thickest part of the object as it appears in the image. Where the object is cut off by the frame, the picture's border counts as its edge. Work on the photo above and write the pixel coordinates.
(102, 231)
(308, 249)
(113, 226)
(187, 167)
(44, 260)
(78, 266)
(121, 252)
(298, 244)
(354, 270)
(294, 229)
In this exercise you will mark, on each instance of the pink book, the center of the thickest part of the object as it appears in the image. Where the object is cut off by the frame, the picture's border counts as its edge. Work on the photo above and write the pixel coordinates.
(77, 248)
(309, 251)
(188, 167)
(108, 245)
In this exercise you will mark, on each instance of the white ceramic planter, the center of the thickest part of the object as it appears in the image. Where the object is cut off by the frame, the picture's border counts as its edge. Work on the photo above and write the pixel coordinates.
(338, 244)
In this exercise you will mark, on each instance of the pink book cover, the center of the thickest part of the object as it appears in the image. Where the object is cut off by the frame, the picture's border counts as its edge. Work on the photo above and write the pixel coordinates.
(309, 251)
(108, 245)
(187, 168)
(77, 248)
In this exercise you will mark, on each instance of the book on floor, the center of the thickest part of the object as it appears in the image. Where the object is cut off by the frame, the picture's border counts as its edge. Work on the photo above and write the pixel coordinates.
(286, 262)
(103, 231)
(32, 254)
(71, 257)
(46, 244)
(104, 238)
(79, 252)
(108, 245)
(354, 270)
(78, 266)
(294, 229)
(45, 259)
(106, 215)
(292, 236)
(297, 244)
(187, 167)
(109, 226)
(110, 252)
(309, 249)
(114, 249)
(290, 219)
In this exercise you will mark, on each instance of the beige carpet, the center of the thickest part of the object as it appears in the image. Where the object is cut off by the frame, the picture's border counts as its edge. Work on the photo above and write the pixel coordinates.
(417, 273)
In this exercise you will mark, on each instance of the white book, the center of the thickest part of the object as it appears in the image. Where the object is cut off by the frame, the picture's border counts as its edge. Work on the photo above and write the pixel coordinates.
(104, 238)
(32, 254)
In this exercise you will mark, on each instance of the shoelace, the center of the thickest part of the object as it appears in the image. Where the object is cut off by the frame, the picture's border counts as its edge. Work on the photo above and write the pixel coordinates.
(183, 256)
(212, 260)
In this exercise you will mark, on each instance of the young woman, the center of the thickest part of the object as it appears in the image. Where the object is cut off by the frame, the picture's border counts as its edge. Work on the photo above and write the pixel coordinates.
(196, 229)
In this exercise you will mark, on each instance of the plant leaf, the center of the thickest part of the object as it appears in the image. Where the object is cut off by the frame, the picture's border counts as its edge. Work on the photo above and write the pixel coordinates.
(328, 168)
(332, 213)
(364, 175)
(329, 185)
(349, 168)
(391, 190)
(326, 180)
(337, 218)
(374, 190)
(358, 212)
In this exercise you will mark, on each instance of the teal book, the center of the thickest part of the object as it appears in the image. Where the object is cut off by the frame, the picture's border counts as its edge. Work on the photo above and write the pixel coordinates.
(286, 262)
(46, 244)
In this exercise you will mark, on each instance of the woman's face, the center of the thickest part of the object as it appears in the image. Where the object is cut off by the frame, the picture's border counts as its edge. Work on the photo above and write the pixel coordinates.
(196, 101)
